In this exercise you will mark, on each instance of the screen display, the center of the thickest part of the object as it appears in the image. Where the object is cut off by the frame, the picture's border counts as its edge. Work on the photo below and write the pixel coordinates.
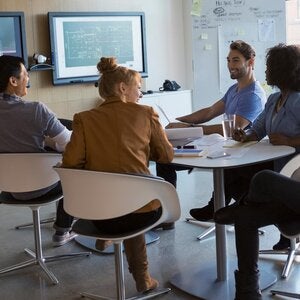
(12, 35)
(79, 40)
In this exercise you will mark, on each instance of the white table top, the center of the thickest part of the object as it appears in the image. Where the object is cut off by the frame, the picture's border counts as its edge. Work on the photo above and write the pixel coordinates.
(259, 152)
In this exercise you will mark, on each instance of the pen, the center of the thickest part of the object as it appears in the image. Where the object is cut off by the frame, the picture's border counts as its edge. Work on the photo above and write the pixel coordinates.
(187, 147)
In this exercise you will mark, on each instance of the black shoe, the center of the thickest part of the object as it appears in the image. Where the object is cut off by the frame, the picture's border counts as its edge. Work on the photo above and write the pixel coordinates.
(247, 286)
(227, 215)
(283, 243)
(165, 226)
(204, 214)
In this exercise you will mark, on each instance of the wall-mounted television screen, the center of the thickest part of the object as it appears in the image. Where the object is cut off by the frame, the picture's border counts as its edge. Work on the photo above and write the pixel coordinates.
(12, 35)
(79, 39)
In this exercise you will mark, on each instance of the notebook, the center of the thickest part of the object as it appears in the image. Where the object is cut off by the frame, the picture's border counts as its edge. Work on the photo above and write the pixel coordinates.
(187, 152)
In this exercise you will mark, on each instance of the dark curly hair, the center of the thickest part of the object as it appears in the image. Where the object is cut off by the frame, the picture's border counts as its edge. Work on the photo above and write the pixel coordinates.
(283, 67)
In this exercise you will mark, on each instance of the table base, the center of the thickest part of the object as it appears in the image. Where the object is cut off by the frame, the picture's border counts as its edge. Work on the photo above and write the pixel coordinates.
(204, 285)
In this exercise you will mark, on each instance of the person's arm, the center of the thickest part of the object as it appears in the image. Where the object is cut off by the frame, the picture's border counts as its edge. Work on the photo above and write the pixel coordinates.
(205, 114)
(60, 141)
(280, 139)
(240, 122)
(74, 155)
(161, 149)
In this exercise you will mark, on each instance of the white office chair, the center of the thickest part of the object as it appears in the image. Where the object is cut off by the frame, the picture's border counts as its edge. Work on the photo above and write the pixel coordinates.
(289, 230)
(24, 172)
(92, 195)
(68, 124)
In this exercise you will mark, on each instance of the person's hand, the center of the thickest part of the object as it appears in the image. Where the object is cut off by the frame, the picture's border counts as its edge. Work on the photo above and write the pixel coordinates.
(48, 142)
(279, 139)
(177, 125)
(239, 135)
(186, 119)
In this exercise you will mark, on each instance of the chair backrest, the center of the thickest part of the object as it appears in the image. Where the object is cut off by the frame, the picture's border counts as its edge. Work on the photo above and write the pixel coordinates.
(96, 195)
(291, 167)
(24, 172)
(291, 229)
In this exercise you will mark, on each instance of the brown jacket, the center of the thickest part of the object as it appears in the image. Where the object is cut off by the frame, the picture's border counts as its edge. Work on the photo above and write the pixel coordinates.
(118, 137)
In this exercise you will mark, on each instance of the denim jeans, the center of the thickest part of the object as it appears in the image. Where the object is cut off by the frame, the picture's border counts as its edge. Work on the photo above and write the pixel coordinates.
(63, 222)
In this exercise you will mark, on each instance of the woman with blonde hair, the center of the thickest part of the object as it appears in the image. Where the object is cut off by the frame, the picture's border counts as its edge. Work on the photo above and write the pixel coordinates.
(121, 136)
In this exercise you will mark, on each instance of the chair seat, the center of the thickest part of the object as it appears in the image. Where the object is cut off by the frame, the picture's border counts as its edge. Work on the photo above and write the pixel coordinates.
(7, 198)
(87, 228)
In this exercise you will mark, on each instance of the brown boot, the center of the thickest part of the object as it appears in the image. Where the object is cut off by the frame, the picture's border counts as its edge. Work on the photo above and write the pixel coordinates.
(135, 250)
(102, 244)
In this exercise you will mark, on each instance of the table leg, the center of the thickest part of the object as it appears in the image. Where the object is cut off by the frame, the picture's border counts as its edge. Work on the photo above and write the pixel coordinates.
(221, 244)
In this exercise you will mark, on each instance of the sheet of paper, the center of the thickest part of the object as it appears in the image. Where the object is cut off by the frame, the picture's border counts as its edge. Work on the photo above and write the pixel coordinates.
(208, 140)
(235, 144)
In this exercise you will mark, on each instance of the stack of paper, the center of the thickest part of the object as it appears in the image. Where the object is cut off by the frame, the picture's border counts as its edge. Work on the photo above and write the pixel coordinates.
(183, 136)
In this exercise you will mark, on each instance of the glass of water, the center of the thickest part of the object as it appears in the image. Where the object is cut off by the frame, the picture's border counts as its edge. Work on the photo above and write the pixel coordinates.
(228, 125)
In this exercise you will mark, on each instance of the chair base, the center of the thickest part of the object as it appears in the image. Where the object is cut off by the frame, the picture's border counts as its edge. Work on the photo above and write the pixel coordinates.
(210, 229)
(148, 295)
(286, 294)
(42, 263)
(291, 254)
(44, 221)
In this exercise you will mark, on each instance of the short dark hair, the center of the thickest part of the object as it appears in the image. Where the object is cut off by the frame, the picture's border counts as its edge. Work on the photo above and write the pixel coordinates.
(245, 49)
(9, 66)
(283, 66)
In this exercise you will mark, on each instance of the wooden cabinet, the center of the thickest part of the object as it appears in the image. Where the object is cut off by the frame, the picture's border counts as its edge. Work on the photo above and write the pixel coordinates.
(174, 104)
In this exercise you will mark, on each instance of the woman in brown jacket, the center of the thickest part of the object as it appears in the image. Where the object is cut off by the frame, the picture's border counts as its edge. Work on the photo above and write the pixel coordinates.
(121, 136)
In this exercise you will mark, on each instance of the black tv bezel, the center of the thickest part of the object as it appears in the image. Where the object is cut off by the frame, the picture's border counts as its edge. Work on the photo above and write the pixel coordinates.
(92, 78)
(19, 15)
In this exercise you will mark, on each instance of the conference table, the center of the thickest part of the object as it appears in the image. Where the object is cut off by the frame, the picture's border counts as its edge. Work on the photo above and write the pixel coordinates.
(212, 282)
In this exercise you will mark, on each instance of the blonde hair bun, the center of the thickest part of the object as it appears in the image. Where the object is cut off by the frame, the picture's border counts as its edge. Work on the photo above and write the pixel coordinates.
(107, 64)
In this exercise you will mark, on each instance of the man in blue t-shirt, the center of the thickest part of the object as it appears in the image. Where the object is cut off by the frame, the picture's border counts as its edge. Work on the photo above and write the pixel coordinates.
(245, 99)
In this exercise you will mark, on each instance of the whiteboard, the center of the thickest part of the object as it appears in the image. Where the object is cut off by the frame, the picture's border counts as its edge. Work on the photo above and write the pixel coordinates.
(261, 23)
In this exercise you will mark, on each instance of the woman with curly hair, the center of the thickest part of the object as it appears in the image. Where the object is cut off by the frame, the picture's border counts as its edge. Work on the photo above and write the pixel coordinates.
(280, 121)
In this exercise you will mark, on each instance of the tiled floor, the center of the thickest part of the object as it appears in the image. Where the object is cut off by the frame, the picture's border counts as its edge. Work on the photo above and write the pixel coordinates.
(175, 251)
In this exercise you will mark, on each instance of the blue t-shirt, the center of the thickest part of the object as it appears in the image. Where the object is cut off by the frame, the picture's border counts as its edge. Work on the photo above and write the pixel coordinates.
(247, 102)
